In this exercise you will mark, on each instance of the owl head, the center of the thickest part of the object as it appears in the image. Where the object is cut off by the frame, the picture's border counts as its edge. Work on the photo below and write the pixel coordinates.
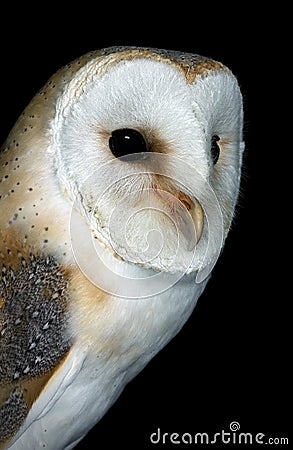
(147, 145)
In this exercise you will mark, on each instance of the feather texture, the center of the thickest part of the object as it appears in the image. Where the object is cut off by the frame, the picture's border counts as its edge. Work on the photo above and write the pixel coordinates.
(102, 258)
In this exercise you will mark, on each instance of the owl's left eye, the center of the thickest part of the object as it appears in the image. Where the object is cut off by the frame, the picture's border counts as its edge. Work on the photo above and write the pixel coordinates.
(126, 142)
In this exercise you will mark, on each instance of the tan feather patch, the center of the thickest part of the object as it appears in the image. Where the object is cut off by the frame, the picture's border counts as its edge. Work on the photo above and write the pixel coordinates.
(191, 65)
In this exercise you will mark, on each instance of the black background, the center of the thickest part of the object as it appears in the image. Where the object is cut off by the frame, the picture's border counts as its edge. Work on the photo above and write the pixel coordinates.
(230, 361)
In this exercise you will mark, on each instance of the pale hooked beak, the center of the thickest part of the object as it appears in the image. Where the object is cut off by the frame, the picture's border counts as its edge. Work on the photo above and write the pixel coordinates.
(187, 214)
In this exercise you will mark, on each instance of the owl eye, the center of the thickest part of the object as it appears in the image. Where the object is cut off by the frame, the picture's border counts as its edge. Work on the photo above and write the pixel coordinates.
(127, 141)
(215, 148)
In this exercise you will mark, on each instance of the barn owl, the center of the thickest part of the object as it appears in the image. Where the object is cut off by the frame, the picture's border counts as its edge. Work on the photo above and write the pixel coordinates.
(118, 185)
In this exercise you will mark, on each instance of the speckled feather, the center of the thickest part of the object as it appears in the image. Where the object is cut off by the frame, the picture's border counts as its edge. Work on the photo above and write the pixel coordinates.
(30, 235)
(41, 287)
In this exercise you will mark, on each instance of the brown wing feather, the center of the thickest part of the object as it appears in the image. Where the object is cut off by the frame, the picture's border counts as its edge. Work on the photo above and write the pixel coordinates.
(33, 330)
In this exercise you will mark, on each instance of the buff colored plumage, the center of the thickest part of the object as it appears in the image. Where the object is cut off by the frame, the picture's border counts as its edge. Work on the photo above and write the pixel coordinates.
(118, 185)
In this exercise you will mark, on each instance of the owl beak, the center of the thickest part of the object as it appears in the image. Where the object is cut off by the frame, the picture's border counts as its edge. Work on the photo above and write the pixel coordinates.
(187, 214)
(190, 219)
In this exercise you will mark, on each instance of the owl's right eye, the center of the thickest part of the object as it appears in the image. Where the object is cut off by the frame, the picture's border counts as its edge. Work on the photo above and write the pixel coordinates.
(126, 142)
(215, 148)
